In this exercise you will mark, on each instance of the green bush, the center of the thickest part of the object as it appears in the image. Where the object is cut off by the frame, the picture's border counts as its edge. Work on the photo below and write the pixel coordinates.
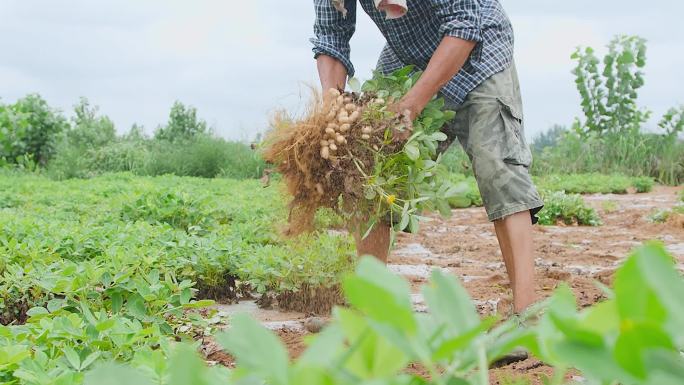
(203, 156)
(569, 209)
(89, 130)
(643, 184)
(120, 155)
(548, 138)
(29, 127)
(663, 215)
(183, 124)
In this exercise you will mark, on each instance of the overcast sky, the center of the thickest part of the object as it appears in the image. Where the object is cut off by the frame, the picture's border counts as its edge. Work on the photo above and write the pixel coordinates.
(237, 61)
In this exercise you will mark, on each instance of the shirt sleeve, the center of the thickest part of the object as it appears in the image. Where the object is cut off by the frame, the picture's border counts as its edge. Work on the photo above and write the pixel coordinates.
(333, 30)
(460, 18)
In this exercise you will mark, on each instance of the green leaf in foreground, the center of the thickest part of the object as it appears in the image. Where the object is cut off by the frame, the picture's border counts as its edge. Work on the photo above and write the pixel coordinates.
(383, 296)
(256, 349)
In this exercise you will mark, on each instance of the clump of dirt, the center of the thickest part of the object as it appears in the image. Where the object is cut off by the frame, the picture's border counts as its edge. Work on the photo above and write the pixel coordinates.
(225, 292)
(675, 220)
(14, 311)
(309, 299)
(293, 341)
(325, 156)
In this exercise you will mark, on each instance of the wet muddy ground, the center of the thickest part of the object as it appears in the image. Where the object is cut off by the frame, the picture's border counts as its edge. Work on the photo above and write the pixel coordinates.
(466, 246)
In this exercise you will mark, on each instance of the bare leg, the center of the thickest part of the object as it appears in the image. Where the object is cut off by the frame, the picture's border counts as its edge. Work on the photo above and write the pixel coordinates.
(515, 239)
(376, 243)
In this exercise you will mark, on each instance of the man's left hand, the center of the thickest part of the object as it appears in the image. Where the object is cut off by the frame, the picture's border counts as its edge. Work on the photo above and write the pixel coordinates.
(409, 111)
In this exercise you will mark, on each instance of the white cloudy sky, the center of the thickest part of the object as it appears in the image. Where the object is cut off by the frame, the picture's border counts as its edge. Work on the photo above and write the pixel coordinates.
(237, 61)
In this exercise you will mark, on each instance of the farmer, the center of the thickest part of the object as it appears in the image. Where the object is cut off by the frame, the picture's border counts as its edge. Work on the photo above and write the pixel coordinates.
(465, 48)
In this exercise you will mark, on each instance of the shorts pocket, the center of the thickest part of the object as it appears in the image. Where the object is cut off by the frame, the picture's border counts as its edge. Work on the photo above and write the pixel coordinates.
(515, 149)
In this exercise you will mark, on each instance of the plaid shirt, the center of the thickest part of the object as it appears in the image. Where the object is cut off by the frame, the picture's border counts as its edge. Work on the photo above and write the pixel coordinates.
(413, 38)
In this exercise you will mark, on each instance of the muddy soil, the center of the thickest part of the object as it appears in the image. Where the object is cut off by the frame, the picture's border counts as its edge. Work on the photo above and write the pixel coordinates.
(466, 246)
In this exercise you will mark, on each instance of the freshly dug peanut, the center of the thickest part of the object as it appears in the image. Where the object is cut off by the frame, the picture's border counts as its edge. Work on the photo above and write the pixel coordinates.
(325, 152)
(365, 136)
(333, 147)
(345, 127)
(324, 142)
(340, 99)
(354, 115)
(340, 139)
(329, 131)
(350, 107)
(334, 92)
(333, 125)
(344, 119)
(348, 99)
(367, 129)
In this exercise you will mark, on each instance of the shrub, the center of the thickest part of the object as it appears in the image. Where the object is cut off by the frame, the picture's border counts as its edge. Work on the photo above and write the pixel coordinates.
(89, 130)
(634, 153)
(203, 156)
(29, 127)
(568, 209)
(183, 124)
(548, 138)
(643, 184)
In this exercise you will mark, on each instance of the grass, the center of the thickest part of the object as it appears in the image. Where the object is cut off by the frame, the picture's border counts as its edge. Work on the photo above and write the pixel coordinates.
(632, 153)
(203, 156)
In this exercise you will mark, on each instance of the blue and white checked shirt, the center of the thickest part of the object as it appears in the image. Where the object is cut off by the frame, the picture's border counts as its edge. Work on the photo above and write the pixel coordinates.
(413, 38)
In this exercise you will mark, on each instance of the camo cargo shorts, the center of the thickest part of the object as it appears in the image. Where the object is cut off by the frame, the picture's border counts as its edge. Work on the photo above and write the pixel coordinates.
(489, 126)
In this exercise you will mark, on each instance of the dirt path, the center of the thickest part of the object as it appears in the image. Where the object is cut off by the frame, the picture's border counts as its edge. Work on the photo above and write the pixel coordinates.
(466, 246)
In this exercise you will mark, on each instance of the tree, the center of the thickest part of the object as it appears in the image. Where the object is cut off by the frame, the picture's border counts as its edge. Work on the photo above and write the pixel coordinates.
(90, 130)
(609, 95)
(183, 124)
(29, 127)
(548, 138)
(136, 133)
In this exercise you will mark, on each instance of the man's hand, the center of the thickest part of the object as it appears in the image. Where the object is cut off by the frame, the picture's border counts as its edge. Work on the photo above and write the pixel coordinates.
(447, 60)
(408, 111)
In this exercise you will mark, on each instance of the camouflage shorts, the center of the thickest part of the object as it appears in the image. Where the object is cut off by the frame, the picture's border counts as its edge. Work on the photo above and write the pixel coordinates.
(489, 126)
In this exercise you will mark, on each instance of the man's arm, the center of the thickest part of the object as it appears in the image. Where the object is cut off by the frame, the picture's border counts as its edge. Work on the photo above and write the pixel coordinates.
(333, 31)
(332, 72)
(461, 30)
(448, 59)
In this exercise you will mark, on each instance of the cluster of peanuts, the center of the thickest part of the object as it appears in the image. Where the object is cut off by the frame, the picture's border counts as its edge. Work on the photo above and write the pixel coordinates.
(342, 115)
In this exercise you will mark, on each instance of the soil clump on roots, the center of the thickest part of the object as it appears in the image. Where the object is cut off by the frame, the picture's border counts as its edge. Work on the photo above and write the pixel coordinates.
(325, 157)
